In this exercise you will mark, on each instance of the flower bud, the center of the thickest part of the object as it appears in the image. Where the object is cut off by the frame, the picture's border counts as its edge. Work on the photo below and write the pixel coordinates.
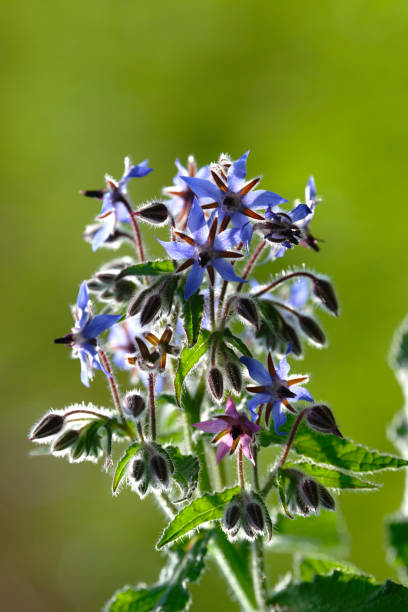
(50, 425)
(324, 291)
(138, 469)
(66, 440)
(156, 213)
(150, 309)
(234, 375)
(312, 329)
(137, 303)
(291, 336)
(321, 419)
(254, 516)
(247, 310)
(216, 383)
(232, 515)
(158, 465)
(133, 404)
(310, 492)
(123, 290)
(326, 499)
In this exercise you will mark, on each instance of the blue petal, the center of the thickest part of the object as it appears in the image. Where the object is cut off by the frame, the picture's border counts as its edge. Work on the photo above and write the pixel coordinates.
(246, 235)
(136, 171)
(84, 368)
(260, 198)
(259, 398)
(237, 173)
(194, 280)
(301, 394)
(83, 296)
(299, 213)
(196, 218)
(282, 369)
(257, 370)
(226, 270)
(104, 232)
(227, 239)
(279, 417)
(310, 191)
(203, 188)
(178, 250)
(299, 293)
(98, 324)
(107, 203)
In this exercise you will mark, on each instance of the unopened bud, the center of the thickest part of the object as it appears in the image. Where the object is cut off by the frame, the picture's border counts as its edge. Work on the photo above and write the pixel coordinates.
(50, 425)
(324, 291)
(254, 516)
(312, 329)
(247, 310)
(138, 469)
(137, 302)
(159, 469)
(150, 309)
(133, 405)
(234, 375)
(123, 290)
(156, 213)
(321, 419)
(310, 492)
(216, 383)
(326, 499)
(231, 516)
(142, 487)
(66, 440)
(291, 336)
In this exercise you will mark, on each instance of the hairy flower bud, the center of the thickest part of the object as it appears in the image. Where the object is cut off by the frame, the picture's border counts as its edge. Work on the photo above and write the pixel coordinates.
(326, 500)
(254, 516)
(291, 336)
(156, 213)
(246, 308)
(50, 425)
(138, 469)
(321, 418)
(216, 383)
(324, 291)
(310, 492)
(137, 302)
(66, 440)
(150, 309)
(234, 375)
(159, 469)
(133, 404)
(312, 329)
(232, 515)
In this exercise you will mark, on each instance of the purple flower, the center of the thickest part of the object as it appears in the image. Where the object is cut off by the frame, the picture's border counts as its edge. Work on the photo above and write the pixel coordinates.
(181, 195)
(115, 207)
(274, 389)
(234, 198)
(232, 429)
(205, 249)
(82, 338)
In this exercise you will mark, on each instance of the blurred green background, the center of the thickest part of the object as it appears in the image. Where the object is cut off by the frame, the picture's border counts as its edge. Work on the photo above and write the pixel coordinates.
(318, 87)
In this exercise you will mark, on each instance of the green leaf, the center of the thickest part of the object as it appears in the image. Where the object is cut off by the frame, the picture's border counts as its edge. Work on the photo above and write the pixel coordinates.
(307, 568)
(185, 565)
(397, 530)
(339, 592)
(148, 268)
(193, 309)
(236, 342)
(186, 468)
(324, 533)
(207, 508)
(123, 464)
(330, 449)
(189, 358)
(332, 478)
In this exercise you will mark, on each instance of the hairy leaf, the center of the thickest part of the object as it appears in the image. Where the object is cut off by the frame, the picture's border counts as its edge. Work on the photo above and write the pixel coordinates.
(169, 594)
(329, 449)
(123, 464)
(189, 358)
(192, 316)
(332, 478)
(236, 342)
(339, 592)
(148, 268)
(307, 568)
(397, 529)
(186, 468)
(207, 508)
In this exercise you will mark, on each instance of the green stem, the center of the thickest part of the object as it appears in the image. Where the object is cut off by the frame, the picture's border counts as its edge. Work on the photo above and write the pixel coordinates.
(251, 263)
(136, 231)
(255, 472)
(282, 280)
(240, 466)
(212, 306)
(258, 573)
(112, 382)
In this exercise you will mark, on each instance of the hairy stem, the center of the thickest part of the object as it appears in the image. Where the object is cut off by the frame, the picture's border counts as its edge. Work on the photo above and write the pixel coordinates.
(240, 467)
(212, 306)
(255, 472)
(283, 279)
(258, 573)
(112, 382)
(136, 231)
(251, 263)
(152, 406)
(139, 429)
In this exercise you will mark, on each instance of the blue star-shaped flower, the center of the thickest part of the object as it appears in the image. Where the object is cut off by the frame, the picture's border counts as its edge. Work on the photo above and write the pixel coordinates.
(82, 338)
(180, 193)
(114, 209)
(274, 389)
(204, 250)
(235, 198)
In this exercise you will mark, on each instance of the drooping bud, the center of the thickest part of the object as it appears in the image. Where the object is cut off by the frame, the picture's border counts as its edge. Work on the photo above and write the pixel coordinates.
(138, 469)
(232, 515)
(321, 418)
(150, 309)
(312, 329)
(216, 383)
(326, 500)
(234, 375)
(155, 213)
(254, 516)
(160, 465)
(137, 303)
(69, 438)
(292, 338)
(324, 291)
(310, 492)
(159, 469)
(50, 425)
(247, 310)
(247, 511)
(133, 405)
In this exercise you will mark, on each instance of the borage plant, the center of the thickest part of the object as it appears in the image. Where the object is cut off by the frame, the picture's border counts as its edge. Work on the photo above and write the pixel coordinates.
(208, 349)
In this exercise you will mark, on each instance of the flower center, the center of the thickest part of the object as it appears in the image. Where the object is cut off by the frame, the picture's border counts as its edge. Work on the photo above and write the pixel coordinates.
(231, 202)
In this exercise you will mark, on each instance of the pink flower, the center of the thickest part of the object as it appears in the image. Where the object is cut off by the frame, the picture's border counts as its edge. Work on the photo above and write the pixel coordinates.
(232, 429)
